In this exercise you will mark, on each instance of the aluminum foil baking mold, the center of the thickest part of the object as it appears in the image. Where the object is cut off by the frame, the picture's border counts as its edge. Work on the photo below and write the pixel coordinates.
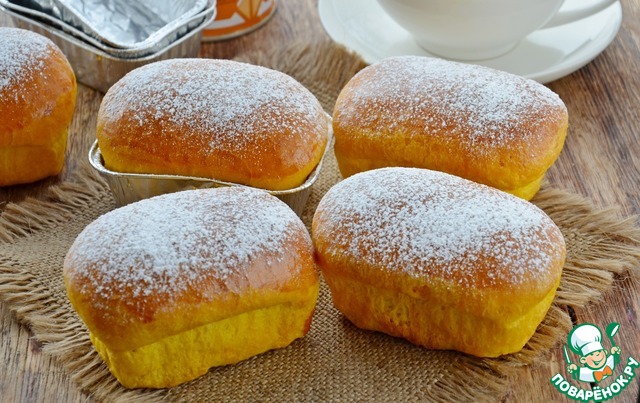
(131, 187)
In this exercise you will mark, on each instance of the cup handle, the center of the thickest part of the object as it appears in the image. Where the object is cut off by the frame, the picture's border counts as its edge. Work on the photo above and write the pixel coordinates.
(567, 16)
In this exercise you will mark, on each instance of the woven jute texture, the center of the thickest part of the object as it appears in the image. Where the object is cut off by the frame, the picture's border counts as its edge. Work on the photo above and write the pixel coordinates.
(335, 361)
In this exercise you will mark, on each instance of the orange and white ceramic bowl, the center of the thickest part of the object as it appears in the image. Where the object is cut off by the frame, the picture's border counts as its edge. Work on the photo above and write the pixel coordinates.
(238, 17)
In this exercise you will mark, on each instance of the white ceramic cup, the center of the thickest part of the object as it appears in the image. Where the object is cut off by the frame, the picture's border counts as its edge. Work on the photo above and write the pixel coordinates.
(481, 29)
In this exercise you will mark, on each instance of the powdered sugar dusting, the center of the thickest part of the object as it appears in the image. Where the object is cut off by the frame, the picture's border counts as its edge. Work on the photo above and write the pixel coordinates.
(22, 57)
(160, 247)
(481, 106)
(233, 103)
(425, 223)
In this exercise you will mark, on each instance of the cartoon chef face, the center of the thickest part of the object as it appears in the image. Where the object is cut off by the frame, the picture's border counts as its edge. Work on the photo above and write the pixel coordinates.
(597, 362)
(594, 360)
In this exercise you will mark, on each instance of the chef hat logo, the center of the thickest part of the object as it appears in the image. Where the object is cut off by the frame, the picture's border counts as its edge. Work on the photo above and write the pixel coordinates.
(585, 339)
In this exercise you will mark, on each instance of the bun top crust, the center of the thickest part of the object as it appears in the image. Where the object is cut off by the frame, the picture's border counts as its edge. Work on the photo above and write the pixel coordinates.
(488, 106)
(190, 254)
(218, 119)
(475, 122)
(435, 228)
(36, 82)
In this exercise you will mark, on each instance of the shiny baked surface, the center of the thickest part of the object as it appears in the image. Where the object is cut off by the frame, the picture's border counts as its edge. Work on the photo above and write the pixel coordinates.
(438, 259)
(478, 123)
(37, 101)
(218, 119)
(155, 280)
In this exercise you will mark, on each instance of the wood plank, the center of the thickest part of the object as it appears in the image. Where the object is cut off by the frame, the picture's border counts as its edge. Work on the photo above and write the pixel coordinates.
(27, 375)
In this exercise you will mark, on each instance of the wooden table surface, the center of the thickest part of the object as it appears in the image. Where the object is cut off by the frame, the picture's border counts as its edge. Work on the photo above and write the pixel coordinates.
(601, 161)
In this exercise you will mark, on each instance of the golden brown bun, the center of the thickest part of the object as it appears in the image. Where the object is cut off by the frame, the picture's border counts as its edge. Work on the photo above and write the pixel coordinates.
(439, 260)
(173, 285)
(37, 98)
(217, 119)
(481, 124)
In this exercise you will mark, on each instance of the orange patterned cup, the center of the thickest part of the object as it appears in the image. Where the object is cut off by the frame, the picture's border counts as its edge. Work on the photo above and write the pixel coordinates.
(237, 17)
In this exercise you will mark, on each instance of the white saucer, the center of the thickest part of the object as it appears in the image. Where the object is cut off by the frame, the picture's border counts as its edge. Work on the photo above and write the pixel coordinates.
(544, 55)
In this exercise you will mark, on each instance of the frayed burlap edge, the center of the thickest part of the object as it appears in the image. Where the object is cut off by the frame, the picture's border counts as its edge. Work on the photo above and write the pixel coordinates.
(613, 250)
(60, 204)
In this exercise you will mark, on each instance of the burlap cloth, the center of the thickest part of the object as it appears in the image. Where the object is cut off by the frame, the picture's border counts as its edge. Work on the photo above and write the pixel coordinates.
(335, 361)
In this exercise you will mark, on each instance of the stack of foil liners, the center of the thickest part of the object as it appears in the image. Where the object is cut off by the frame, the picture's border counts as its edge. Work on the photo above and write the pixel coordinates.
(105, 39)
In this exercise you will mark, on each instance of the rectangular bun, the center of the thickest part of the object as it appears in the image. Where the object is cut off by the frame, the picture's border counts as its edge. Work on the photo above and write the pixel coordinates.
(478, 123)
(171, 286)
(441, 261)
